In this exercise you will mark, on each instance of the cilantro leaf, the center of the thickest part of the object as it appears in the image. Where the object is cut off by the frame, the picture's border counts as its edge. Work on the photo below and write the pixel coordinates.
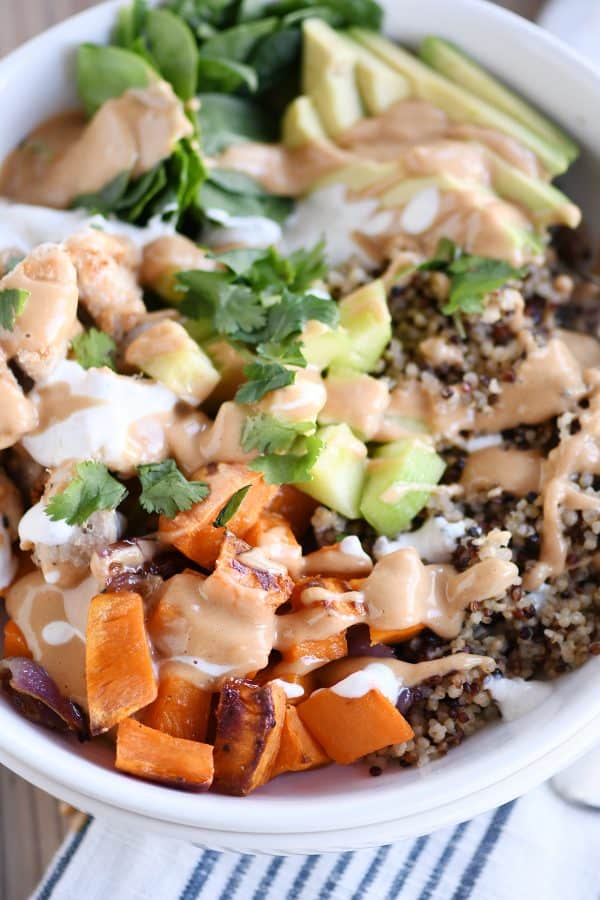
(287, 352)
(472, 278)
(289, 468)
(94, 349)
(12, 303)
(13, 261)
(231, 507)
(293, 311)
(93, 489)
(262, 378)
(270, 435)
(240, 313)
(166, 490)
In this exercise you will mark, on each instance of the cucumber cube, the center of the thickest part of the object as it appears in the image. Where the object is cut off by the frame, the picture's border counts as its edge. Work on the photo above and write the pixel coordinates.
(366, 317)
(338, 474)
(388, 503)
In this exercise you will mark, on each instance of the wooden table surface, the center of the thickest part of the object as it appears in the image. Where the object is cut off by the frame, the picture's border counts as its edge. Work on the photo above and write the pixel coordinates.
(31, 825)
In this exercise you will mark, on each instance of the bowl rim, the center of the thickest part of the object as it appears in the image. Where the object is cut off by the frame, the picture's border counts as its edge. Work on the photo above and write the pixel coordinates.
(217, 813)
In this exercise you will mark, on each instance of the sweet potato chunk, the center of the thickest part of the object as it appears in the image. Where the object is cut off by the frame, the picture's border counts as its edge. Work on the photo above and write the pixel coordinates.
(294, 506)
(281, 672)
(298, 749)
(118, 667)
(249, 725)
(330, 648)
(14, 641)
(350, 727)
(157, 756)
(181, 708)
(272, 533)
(193, 531)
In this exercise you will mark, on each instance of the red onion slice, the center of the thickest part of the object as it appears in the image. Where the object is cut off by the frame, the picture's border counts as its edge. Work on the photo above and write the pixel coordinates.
(36, 696)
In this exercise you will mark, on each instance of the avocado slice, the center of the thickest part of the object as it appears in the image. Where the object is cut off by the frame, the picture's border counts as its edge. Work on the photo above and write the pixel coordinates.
(301, 123)
(447, 59)
(339, 472)
(548, 205)
(321, 344)
(388, 503)
(366, 317)
(459, 104)
(379, 85)
(329, 77)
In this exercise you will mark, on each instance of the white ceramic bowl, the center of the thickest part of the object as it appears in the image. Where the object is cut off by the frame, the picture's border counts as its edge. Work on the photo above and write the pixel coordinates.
(335, 807)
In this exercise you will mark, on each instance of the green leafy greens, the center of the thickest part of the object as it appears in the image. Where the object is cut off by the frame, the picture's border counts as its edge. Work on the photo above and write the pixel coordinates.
(93, 349)
(262, 302)
(270, 435)
(231, 507)
(12, 303)
(292, 467)
(166, 490)
(472, 278)
(93, 489)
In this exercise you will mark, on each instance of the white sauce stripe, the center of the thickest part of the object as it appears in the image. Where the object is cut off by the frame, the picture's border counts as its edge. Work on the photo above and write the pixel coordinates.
(57, 633)
(374, 677)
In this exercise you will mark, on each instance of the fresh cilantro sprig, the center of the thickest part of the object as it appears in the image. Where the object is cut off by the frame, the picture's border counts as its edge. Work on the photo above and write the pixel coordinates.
(262, 302)
(93, 489)
(231, 507)
(166, 490)
(292, 467)
(472, 278)
(12, 303)
(266, 434)
(94, 349)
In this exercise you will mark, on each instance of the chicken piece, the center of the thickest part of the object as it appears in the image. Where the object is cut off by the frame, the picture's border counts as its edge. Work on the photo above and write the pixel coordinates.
(18, 415)
(11, 510)
(107, 276)
(63, 552)
(41, 334)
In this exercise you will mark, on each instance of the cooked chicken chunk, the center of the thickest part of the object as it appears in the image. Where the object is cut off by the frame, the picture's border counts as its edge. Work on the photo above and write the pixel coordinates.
(18, 415)
(42, 331)
(107, 275)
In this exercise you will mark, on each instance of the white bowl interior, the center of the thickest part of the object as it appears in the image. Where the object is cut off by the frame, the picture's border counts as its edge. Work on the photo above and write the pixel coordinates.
(36, 82)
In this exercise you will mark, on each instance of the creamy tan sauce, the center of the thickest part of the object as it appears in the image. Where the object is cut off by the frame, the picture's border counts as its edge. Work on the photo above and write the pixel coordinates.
(361, 401)
(58, 403)
(408, 674)
(337, 561)
(66, 158)
(548, 383)
(577, 454)
(401, 592)
(34, 605)
(515, 471)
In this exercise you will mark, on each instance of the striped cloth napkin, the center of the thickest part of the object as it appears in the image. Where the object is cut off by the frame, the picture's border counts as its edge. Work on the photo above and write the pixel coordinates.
(535, 847)
(538, 846)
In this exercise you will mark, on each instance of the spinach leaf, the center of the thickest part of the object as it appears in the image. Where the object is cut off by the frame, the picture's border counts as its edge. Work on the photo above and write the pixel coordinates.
(363, 13)
(240, 196)
(106, 72)
(226, 120)
(173, 47)
(276, 56)
(205, 17)
(224, 75)
(130, 21)
(238, 43)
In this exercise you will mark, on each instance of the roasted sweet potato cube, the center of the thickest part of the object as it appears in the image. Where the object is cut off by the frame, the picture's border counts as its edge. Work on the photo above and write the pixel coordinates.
(246, 567)
(298, 749)
(294, 506)
(193, 531)
(14, 641)
(118, 666)
(320, 652)
(181, 708)
(249, 724)
(148, 753)
(307, 681)
(350, 727)
(272, 533)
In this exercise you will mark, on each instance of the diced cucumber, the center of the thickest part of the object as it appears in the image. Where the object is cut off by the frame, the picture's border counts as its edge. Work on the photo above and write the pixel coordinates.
(447, 59)
(366, 317)
(168, 354)
(339, 472)
(459, 104)
(321, 344)
(388, 503)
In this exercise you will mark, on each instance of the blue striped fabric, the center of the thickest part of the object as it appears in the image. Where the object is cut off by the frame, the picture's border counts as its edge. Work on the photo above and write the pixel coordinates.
(474, 860)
